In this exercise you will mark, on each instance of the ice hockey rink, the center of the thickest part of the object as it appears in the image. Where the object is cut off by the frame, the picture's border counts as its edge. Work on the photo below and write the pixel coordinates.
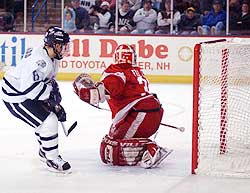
(22, 172)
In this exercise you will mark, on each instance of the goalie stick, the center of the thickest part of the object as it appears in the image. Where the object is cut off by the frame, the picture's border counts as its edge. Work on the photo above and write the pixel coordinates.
(181, 129)
(100, 108)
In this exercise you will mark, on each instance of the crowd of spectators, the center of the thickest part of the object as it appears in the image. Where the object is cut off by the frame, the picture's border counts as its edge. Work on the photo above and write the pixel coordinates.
(190, 17)
(9, 12)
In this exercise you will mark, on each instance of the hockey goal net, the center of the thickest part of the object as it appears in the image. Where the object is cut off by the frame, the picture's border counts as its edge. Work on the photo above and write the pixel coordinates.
(221, 109)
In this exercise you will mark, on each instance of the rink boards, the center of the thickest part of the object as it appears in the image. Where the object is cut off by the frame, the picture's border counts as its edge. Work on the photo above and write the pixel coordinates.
(163, 58)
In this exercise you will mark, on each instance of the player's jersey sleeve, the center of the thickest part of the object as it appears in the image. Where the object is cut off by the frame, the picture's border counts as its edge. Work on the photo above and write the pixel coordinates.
(29, 80)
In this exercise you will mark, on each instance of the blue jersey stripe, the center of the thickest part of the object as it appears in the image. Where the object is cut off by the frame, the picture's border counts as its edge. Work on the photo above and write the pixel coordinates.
(15, 114)
(26, 115)
(41, 92)
(18, 92)
(9, 85)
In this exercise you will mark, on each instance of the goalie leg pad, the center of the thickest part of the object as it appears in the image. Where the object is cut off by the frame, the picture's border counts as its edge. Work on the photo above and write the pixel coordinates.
(122, 152)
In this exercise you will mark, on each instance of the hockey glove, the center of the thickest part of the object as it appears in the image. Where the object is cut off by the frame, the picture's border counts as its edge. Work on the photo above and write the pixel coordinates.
(87, 90)
(83, 81)
(92, 95)
(55, 96)
(60, 113)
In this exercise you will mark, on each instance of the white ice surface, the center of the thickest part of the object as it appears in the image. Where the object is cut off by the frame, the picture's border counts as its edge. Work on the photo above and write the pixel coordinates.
(22, 172)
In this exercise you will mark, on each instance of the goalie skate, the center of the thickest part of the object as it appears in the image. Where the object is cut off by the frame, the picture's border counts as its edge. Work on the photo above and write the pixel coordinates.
(149, 161)
(58, 165)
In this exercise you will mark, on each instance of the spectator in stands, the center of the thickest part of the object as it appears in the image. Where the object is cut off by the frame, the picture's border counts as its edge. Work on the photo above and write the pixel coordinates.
(242, 20)
(189, 22)
(8, 22)
(18, 7)
(205, 6)
(234, 9)
(145, 19)
(82, 17)
(181, 5)
(94, 20)
(125, 18)
(156, 5)
(69, 20)
(106, 18)
(215, 21)
(196, 5)
(164, 18)
(111, 4)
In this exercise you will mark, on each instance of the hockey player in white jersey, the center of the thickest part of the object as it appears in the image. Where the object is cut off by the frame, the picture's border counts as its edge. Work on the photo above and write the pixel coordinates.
(31, 93)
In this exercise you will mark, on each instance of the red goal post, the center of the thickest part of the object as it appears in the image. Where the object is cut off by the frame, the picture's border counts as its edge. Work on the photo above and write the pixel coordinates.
(221, 108)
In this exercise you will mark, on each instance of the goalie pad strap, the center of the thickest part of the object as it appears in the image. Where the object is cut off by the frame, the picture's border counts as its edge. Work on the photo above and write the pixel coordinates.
(127, 152)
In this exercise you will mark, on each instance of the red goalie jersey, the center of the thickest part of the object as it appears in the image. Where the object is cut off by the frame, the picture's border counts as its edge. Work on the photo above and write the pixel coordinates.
(135, 112)
(125, 86)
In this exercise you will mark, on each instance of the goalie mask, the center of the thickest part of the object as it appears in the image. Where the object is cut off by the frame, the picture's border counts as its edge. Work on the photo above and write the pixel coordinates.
(55, 35)
(125, 54)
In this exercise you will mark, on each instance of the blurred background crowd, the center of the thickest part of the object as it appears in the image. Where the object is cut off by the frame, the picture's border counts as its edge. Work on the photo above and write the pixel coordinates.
(178, 17)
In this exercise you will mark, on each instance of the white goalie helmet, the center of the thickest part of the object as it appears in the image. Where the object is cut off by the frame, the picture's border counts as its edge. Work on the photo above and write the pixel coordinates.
(125, 54)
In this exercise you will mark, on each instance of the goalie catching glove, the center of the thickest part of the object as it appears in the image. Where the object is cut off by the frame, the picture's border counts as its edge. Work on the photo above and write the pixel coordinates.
(88, 91)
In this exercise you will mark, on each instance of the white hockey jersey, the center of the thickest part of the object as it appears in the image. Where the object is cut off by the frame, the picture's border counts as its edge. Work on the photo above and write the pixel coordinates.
(30, 78)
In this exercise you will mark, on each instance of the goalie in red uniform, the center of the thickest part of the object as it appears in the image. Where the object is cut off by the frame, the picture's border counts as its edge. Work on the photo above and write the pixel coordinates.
(136, 113)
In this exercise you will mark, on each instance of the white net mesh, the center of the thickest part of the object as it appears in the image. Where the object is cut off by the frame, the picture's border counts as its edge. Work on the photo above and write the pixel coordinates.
(224, 110)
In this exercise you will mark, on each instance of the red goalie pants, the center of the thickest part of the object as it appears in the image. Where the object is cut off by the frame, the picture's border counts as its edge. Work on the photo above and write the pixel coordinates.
(140, 122)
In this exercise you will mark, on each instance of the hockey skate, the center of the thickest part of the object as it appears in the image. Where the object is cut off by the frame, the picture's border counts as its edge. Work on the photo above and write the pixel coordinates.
(58, 165)
(154, 156)
(42, 156)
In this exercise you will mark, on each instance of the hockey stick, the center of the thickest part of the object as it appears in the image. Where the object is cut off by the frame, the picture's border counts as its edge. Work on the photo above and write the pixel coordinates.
(181, 129)
(100, 108)
(68, 131)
